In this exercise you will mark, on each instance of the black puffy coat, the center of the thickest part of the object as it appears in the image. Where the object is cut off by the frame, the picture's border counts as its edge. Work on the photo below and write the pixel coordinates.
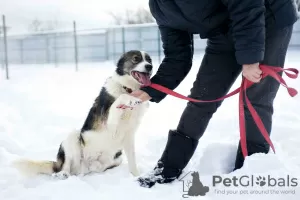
(244, 20)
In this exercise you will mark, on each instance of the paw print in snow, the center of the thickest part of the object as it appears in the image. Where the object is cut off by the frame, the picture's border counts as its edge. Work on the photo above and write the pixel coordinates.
(261, 181)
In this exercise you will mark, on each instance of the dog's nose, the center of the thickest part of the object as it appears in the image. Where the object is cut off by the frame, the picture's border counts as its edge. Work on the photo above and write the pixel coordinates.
(148, 67)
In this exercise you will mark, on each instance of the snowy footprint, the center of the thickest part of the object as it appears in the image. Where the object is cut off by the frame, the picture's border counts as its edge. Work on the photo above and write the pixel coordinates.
(217, 158)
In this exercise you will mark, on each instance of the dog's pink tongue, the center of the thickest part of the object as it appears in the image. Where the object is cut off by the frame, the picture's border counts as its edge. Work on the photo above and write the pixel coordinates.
(144, 78)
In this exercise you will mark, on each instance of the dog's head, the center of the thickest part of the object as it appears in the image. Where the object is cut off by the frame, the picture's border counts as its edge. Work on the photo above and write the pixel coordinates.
(137, 65)
(195, 174)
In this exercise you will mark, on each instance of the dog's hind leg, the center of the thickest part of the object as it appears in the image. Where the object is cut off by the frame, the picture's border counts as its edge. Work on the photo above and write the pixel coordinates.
(65, 172)
(69, 155)
(65, 165)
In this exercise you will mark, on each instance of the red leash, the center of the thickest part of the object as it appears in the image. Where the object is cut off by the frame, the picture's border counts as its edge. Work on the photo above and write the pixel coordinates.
(267, 71)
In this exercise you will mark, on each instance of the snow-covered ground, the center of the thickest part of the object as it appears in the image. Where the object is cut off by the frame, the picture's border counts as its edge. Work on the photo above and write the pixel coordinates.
(41, 104)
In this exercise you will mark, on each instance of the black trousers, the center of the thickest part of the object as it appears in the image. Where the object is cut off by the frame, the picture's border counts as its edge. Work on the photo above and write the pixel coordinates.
(218, 72)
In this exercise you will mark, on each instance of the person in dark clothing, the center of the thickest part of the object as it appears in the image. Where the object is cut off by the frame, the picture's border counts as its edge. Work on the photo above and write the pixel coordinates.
(240, 36)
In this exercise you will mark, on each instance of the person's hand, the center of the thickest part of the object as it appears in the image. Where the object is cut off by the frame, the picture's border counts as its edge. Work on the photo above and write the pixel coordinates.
(252, 72)
(140, 94)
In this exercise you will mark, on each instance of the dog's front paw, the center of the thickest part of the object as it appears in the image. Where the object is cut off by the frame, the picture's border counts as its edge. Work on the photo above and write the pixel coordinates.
(135, 172)
(62, 175)
(128, 102)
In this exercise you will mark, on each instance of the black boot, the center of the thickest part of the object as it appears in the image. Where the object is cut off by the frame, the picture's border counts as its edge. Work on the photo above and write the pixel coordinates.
(178, 152)
(252, 148)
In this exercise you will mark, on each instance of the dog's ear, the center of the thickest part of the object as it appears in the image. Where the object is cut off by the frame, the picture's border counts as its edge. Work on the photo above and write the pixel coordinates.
(120, 65)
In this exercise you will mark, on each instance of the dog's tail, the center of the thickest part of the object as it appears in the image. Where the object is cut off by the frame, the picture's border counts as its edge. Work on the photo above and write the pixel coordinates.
(31, 167)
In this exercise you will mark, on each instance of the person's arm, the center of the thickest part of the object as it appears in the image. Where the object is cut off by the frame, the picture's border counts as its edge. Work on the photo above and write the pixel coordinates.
(178, 52)
(248, 29)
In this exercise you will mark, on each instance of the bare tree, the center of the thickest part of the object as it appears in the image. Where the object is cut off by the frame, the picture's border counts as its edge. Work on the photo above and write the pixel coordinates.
(139, 16)
(35, 26)
(117, 18)
(144, 16)
(51, 25)
(38, 26)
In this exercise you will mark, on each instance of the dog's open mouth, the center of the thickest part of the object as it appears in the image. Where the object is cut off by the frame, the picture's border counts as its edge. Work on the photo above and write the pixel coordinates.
(142, 77)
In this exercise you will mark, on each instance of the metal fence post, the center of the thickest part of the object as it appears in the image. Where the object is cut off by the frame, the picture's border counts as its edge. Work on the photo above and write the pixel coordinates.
(75, 46)
(107, 43)
(21, 51)
(114, 43)
(47, 48)
(55, 50)
(5, 46)
(123, 39)
(158, 44)
(140, 37)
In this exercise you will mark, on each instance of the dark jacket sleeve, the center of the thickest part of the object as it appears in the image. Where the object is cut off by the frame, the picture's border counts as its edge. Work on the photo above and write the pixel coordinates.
(248, 29)
(177, 62)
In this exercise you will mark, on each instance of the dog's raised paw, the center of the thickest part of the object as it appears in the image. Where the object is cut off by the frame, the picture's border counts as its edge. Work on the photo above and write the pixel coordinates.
(62, 175)
(128, 102)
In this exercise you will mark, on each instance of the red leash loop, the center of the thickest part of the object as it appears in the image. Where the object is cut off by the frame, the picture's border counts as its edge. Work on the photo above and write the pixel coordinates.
(267, 71)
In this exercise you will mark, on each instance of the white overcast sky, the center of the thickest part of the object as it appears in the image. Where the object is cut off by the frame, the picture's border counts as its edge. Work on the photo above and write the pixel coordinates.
(87, 13)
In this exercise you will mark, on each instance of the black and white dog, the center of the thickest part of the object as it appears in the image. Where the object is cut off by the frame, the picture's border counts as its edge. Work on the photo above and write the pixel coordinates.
(108, 129)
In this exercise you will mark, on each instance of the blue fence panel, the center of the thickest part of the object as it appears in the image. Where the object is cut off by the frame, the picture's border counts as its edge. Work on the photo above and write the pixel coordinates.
(95, 45)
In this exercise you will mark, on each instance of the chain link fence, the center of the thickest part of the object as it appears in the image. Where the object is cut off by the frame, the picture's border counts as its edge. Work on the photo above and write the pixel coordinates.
(93, 45)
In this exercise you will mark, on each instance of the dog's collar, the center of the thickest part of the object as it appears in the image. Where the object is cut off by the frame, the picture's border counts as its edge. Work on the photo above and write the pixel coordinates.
(128, 90)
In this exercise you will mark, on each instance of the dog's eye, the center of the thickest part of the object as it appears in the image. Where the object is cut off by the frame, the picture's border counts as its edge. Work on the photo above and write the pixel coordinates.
(135, 59)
